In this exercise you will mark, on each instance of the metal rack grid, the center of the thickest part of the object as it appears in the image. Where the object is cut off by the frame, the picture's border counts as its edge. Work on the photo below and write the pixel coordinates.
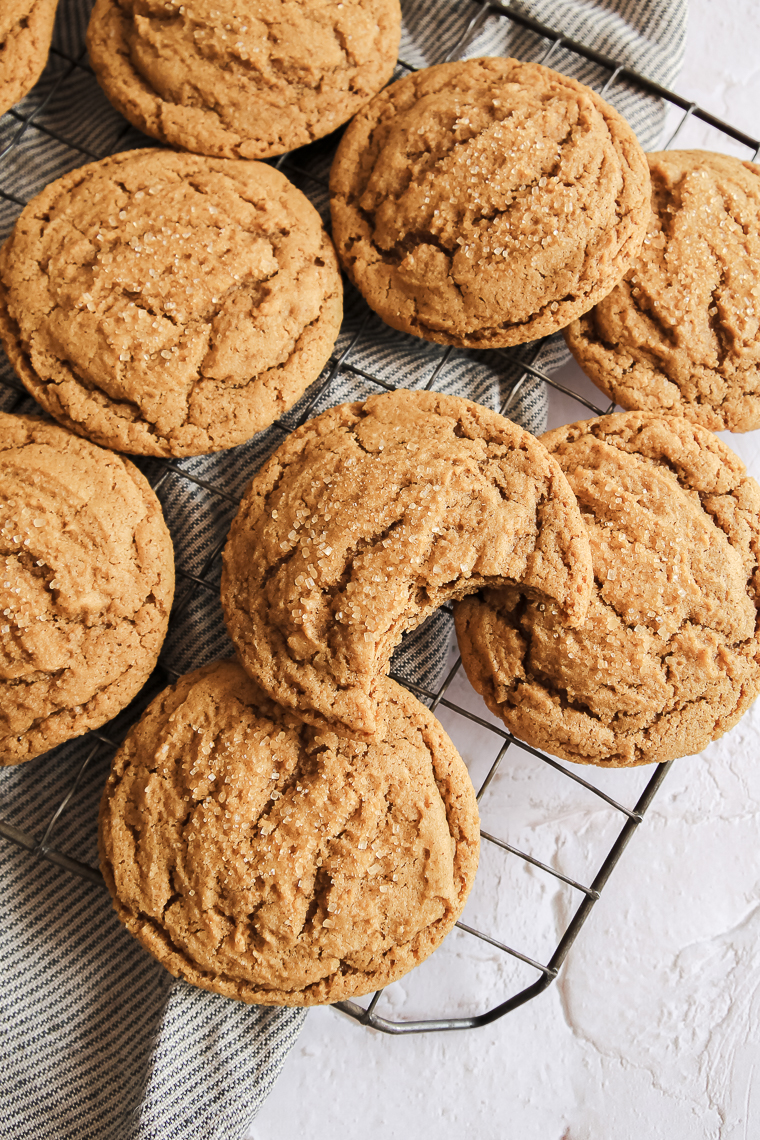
(68, 71)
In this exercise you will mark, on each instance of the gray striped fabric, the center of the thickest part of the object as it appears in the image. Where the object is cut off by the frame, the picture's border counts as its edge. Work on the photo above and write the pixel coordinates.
(98, 1040)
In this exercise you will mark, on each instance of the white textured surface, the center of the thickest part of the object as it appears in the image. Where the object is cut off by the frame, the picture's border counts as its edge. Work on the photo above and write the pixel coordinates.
(652, 1029)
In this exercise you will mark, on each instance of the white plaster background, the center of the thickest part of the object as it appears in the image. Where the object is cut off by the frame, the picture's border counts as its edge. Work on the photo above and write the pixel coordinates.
(651, 1030)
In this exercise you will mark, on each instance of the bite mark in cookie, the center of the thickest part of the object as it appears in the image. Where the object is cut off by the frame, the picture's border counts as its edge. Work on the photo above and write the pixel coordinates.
(370, 517)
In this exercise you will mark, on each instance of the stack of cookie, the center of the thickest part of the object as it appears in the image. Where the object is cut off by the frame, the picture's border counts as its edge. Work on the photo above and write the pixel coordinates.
(319, 846)
(485, 203)
(293, 827)
(370, 517)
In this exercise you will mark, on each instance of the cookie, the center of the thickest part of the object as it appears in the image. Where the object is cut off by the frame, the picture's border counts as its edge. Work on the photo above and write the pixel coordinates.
(370, 517)
(669, 656)
(269, 862)
(26, 28)
(681, 332)
(166, 304)
(242, 81)
(86, 584)
(487, 203)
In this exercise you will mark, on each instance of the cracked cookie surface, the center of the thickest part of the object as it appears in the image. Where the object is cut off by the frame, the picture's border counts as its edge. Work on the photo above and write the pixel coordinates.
(236, 80)
(370, 517)
(26, 28)
(487, 203)
(273, 863)
(669, 656)
(86, 585)
(681, 332)
(169, 304)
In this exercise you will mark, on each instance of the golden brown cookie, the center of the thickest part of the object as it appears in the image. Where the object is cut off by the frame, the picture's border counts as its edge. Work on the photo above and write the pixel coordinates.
(242, 81)
(487, 203)
(681, 332)
(167, 304)
(370, 517)
(273, 863)
(26, 28)
(86, 584)
(669, 656)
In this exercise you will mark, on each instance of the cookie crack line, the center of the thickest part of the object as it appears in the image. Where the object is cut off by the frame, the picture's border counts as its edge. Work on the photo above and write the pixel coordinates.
(412, 239)
(419, 587)
(363, 543)
(746, 231)
(54, 382)
(243, 932)
(721, 335)
(597, 429)
(57, 674)
(671, 333)
(664, 651)
(566, 703)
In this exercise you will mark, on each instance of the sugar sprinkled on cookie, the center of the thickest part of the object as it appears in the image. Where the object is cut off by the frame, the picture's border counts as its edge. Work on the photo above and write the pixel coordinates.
(86, 584)
(487, 203)
(669, 656)
(370, 517)
(273, 863)
(168, 304)
(681, 332)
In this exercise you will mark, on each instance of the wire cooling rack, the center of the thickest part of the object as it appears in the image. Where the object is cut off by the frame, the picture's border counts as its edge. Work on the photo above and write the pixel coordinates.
(66, 122)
